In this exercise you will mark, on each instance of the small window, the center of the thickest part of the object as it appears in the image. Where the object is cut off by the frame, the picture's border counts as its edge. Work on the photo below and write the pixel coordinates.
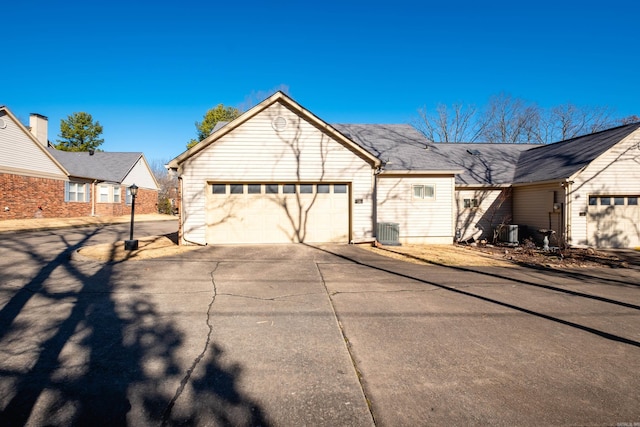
(339, 188)
(103, 194)
(236, 188)
(423, 191)
(306, 188)
(289, 189)
(618, 201)
(593, 201)
(470, 203)
(219, 188)
(632, 201)
(76, 192)
(271, 189)
(254, 188)
(605, 201)
(322, 188)
(108, 193)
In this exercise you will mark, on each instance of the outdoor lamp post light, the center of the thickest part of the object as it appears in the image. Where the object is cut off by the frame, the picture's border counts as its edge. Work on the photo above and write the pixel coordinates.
(132, 245)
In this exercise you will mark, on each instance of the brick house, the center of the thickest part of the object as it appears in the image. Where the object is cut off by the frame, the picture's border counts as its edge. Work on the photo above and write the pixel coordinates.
(37, 180)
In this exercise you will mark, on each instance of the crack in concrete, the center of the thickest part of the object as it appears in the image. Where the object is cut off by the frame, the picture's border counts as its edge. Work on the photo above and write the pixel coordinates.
(167, 412)
(281, 297)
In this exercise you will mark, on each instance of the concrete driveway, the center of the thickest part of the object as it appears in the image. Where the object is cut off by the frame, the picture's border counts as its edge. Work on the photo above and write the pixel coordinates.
(300, 335)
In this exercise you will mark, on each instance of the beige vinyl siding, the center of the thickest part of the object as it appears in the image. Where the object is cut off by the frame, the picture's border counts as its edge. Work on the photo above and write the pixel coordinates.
(21, 155)
(616, 172)
(420, 220)
(494, 208)
(533, 209)
(256, 152)
(141, 176)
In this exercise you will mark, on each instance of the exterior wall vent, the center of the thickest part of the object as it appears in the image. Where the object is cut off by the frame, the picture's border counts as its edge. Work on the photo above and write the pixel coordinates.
(389, 233)
(509, 234)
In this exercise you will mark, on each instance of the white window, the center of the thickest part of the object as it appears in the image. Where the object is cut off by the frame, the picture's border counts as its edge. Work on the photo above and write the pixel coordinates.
(424, 191)
(470, 203)
(103, 194)
(76, 192)
(108, 193)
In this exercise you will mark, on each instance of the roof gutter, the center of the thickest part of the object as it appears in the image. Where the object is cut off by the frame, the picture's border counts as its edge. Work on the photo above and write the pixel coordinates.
(558, 181)
(420, 172)
(483, 185)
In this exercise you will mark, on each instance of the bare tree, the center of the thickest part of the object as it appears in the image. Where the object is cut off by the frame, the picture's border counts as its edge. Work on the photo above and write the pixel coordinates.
(510, 120)
(569, 120)
(168, 184)
(629, 119)
(457, 123)
(506, 119)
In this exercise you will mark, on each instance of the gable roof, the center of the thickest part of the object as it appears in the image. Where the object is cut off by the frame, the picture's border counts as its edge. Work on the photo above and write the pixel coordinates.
(562, 159)
(5, 112)
(400, 147)
(103, 166)
(225, 128)
(403, 148)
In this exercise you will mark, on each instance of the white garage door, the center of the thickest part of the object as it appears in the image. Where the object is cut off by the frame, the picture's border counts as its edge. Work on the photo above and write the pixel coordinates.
(614, 221)
(277, 213)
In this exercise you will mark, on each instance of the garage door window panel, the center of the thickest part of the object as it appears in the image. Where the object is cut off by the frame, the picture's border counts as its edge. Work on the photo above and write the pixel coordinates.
(254, 189)
(323, 188)
(289, 189)
(271, 189)
(219, 188)
(340, 189)
(236, 189)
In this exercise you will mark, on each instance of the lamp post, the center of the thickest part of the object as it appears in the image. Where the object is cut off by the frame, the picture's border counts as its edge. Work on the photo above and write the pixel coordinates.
(132, 245)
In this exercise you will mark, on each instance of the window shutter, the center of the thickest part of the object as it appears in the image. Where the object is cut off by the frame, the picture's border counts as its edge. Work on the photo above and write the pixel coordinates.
(66, 191)
(87, 192)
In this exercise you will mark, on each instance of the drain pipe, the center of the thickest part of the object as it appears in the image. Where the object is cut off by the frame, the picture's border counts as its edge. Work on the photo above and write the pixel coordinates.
(567, 211)
(93, 197)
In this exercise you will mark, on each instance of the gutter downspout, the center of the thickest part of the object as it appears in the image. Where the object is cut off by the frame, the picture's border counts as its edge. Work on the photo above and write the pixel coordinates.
(93, 197)
(567, 211)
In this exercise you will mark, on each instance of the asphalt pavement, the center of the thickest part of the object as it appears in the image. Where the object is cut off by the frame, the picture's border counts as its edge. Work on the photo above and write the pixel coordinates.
(302, 335)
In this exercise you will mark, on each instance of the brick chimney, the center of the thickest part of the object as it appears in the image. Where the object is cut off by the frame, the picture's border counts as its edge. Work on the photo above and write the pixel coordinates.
(38, 125)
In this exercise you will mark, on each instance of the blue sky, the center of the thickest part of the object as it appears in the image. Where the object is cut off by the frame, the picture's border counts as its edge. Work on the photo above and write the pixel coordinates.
(148, 70)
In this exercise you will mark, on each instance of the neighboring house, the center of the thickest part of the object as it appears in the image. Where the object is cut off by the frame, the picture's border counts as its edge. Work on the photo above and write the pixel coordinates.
(279, 174)
(101, 181)
(39, 181)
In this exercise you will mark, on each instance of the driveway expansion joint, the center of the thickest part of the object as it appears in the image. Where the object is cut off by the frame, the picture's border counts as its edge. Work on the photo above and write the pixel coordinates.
(347, 345)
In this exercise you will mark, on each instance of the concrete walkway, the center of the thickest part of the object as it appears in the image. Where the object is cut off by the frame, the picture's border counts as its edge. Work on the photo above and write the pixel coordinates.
(301, 335)
(39, 224)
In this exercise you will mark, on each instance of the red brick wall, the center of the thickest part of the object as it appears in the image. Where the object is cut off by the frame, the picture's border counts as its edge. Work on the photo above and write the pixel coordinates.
(30, 197)
(146, 203)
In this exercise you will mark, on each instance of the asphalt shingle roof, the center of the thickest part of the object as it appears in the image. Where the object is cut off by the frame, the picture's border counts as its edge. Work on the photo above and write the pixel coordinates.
(402, 147)
(405, 148)
(565, 158)
(103, 166)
